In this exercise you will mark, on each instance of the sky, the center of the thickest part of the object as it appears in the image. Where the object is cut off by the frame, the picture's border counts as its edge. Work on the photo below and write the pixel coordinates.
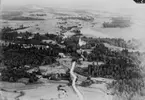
(121, 6)
(112, 5)
(89, 3)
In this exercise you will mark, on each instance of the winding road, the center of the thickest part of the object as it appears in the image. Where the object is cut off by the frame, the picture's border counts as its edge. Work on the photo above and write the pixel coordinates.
(74, 81)
(107, 96)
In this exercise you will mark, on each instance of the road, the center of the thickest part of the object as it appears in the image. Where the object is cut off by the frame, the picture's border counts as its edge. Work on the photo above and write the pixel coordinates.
(81, 97)
(74, 81)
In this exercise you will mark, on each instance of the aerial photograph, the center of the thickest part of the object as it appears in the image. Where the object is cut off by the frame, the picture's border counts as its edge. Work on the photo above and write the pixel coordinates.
(72, 50)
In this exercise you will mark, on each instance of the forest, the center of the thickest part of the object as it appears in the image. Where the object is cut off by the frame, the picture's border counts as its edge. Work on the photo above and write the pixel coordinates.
(122, 66)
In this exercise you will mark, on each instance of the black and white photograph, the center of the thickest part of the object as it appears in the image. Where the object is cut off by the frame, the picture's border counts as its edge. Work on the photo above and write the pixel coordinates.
(72, 49)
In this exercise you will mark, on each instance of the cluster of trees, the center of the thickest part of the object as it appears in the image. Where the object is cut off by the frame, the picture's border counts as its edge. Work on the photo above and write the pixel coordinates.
(71, 43)
(11, 35)
(84, 18)
(58, 76)
(115, 41)
(66, 28)
(8, 33)
(122, 66)
(54, 37)
(119, 42)
(100, 53)
(38, 14)
(71, 46)
(15, 57)
(25, 51)
(111, 58)
(114, 25)
(117, 22)
(13, 74)
(9, 29)
(25, 18)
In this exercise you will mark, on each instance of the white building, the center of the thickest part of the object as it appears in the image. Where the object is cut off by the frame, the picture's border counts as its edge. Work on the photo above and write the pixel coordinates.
(81, 43)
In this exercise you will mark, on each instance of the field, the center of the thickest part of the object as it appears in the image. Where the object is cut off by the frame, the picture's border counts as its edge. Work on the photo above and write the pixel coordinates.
(130, 25)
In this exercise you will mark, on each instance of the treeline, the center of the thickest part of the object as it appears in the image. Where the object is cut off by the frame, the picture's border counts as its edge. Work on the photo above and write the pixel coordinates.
(117, 22)
(119, 42)
(10, 34)
(66, 28)
(69, 44)
(84, 18)
(22, 18)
